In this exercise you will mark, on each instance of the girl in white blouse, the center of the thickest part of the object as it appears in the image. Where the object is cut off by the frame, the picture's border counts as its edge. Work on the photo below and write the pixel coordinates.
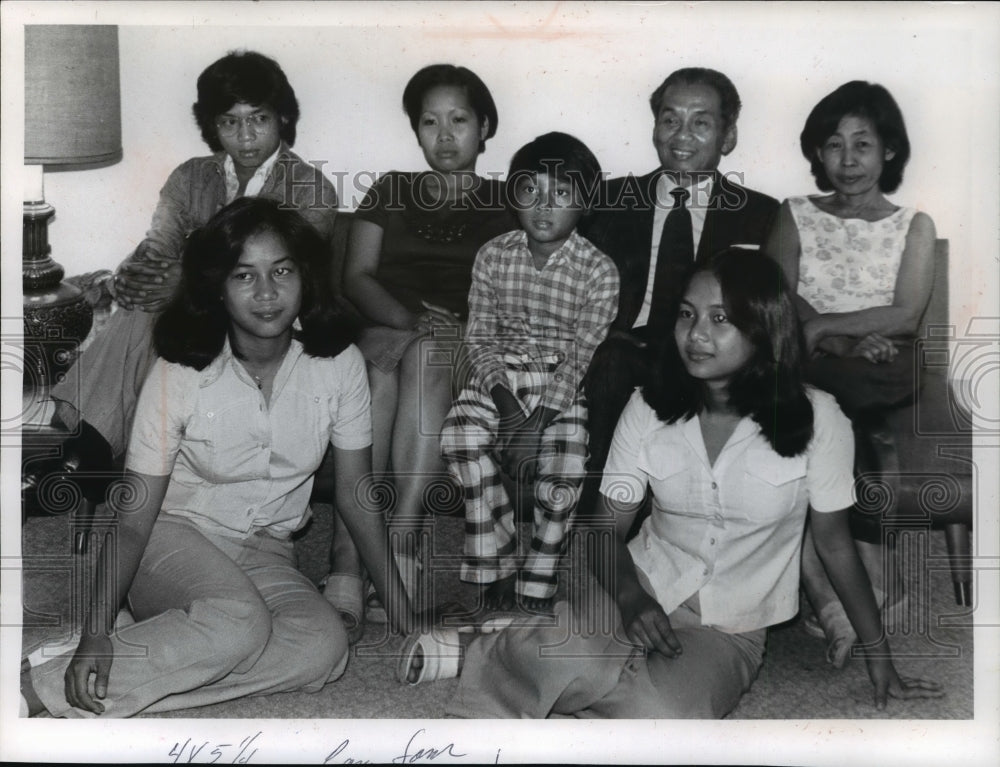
(256, 377)
(738, 453)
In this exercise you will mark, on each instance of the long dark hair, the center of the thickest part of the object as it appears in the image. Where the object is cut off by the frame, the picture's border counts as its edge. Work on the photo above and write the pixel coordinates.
(769, 388)
(192, 329)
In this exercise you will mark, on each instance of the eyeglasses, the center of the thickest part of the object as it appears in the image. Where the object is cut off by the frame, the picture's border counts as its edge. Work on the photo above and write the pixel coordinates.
(258, 122)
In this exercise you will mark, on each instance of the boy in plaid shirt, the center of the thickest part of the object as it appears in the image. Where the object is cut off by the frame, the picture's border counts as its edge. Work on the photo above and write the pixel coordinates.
(541, 301)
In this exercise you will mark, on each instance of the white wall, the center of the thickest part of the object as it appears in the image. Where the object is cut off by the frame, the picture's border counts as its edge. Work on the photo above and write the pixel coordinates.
(584, 68)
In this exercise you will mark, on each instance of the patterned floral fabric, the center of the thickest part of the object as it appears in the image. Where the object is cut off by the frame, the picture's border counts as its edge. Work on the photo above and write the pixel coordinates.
(848, 264)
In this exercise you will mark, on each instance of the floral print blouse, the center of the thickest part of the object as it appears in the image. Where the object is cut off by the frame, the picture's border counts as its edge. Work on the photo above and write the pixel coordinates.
(848, 264)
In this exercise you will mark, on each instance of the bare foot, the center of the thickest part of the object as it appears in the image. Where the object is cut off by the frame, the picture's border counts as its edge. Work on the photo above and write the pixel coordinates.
(542, 605)
(499, 595)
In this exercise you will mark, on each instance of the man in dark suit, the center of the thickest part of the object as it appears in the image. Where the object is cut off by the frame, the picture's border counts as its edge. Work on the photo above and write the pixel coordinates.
(656, 226)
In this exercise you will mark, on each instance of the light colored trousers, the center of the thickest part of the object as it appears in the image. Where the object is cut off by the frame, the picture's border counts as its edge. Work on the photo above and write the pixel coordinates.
(550, 667)
(102, 387)
(217, 618)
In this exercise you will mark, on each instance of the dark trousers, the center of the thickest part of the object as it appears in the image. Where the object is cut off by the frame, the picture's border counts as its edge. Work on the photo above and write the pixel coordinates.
(866, 391)
(861, 386)
(617, 368)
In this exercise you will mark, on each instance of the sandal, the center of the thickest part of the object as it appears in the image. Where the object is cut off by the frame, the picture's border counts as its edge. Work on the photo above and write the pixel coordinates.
(811, 626)
(439, 652)
(410, 567)
(839, 651)
(374, 609)
(346, 593)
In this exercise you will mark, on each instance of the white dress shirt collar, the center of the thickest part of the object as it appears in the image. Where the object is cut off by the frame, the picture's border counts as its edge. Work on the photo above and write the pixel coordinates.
(697, 204)
(256, 182)
(700, 192)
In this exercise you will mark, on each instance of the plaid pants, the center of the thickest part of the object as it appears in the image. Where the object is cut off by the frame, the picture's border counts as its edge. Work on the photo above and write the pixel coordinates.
(467, 445)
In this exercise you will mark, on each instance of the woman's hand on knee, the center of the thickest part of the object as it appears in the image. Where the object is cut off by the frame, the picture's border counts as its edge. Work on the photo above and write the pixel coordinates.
(888, 683)
(647, 625)
(93, 656)
(441, 316)
(436, 317)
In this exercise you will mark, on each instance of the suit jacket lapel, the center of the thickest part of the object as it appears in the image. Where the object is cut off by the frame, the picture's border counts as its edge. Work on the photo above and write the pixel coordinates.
(712, 222)
(641, 224)
(637, 229)
(729, 220)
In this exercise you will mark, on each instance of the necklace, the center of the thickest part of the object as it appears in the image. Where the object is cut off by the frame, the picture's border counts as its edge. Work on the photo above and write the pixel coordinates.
(259, 379)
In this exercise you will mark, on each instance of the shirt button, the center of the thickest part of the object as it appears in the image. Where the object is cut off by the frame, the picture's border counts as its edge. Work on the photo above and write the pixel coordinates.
(210, 414)
(715, 486)
(712, 541)
(250, 510)
(705, 571)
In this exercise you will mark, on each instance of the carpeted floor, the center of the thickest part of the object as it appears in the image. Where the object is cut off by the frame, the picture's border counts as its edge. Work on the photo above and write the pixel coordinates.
(934, 641)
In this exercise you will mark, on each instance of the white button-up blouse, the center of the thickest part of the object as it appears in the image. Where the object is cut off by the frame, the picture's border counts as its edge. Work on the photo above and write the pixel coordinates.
(235, 464)
(731, 532)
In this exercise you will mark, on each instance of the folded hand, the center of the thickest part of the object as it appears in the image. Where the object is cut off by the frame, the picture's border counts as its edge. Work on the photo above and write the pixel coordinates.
(647, 625)
(436, 317)
(146, 285)
(875, 348)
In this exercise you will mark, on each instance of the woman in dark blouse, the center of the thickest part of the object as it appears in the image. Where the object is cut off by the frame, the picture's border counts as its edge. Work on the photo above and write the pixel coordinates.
(408, 271)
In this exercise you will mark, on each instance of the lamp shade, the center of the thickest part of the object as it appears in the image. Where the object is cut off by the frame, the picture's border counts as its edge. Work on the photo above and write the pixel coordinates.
(72, 98)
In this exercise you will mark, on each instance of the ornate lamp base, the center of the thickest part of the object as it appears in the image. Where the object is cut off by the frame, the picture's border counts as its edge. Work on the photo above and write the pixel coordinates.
(57, 316)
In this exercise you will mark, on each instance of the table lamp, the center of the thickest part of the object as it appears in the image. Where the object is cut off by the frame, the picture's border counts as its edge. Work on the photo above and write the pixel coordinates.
(72, 120)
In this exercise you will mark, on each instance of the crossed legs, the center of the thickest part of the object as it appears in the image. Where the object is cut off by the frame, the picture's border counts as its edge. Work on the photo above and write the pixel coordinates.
(217, 619)
(550, 667)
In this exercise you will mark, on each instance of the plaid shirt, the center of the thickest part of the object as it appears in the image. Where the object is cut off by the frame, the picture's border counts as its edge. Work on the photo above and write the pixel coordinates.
(552, 319)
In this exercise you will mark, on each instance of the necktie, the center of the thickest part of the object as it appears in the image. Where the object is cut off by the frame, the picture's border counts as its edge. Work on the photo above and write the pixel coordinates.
(675, 256)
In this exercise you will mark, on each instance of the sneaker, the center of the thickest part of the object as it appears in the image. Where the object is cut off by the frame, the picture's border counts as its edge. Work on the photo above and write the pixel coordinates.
(374, 609)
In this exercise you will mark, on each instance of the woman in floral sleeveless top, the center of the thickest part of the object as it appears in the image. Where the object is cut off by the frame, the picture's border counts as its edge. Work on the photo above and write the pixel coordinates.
(862, 269)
